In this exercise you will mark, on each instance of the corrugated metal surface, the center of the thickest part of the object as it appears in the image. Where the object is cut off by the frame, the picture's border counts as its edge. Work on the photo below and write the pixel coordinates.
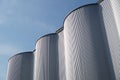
(85, 51)
(111, 14)
(46, 58)
(20, 67)
(87, 48)
(62, 75)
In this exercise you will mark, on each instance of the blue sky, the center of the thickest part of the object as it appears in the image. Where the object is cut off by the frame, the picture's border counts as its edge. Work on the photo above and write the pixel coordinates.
(22, 22)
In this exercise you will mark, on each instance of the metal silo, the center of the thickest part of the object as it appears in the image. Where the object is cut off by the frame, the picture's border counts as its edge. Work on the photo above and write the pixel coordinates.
(110, 10)
(61, 53)
(20, 66)
(85, 48)
(46, 58)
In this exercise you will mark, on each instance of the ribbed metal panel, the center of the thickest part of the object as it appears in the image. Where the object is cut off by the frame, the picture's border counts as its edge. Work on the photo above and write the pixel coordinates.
(20, 67)
(111, 15)
(87, 48)
(85, 51)
(62, 74)
(46, 58)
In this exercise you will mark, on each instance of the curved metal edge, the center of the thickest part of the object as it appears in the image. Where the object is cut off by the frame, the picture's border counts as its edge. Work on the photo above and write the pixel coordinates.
(79, 8)
(59, 30)
(62, 28)
(99, 1)
(45, 36)
(21, 53)
(34, 50)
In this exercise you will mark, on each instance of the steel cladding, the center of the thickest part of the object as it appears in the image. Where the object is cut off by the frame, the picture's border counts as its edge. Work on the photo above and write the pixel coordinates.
(20, 67)
(62, 74)
(86, 48)
(84, 45)
(111, 16)
(46, 65)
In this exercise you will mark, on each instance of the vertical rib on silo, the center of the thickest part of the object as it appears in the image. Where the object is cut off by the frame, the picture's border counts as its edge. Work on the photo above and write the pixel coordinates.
(46, 58)
(110, 10)
(85, 51)
(20, 66)
(61, 53)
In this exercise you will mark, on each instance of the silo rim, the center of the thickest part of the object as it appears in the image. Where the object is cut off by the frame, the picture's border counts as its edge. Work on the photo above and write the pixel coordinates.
(62, 28)
(77, 9)
(21, 53)
(45, 36)
(59, 30)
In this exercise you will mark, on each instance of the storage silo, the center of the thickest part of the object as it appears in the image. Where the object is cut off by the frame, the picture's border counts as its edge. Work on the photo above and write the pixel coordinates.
(110, 10)
(61, 53)
(20, 66)
(86, 55)
(46, 58)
